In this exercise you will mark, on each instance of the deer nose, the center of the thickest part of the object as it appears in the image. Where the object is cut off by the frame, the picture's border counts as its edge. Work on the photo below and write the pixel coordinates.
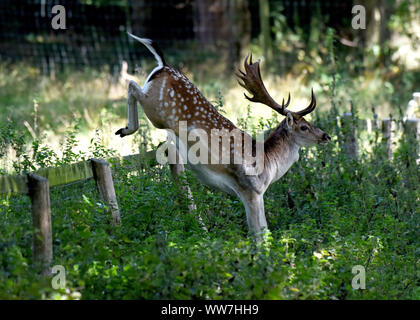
(326, 137)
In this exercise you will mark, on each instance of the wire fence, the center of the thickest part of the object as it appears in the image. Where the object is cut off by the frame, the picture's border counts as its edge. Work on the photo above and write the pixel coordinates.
(95, 33)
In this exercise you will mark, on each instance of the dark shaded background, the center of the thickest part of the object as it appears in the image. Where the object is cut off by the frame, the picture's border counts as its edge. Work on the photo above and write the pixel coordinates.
(96, 30)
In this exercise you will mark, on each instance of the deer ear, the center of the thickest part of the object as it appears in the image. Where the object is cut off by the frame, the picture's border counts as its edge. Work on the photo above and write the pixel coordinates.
(289, 121)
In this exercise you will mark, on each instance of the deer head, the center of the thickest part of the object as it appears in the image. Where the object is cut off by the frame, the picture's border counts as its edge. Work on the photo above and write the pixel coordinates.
(303, 132)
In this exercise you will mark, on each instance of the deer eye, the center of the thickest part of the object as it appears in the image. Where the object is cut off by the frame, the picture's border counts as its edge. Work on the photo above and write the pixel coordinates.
(303, 128)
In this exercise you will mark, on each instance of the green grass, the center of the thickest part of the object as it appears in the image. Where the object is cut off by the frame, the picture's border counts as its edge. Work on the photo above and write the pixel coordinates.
(326, 215)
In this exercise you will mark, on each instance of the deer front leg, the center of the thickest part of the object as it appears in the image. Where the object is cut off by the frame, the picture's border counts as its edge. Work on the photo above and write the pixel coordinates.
(134, 94)
(254, 207)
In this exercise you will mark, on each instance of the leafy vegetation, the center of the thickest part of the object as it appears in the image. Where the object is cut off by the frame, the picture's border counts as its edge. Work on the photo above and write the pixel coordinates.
(326, 215)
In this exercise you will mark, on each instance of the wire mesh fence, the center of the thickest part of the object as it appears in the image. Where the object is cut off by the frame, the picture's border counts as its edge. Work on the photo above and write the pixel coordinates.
(95, 33)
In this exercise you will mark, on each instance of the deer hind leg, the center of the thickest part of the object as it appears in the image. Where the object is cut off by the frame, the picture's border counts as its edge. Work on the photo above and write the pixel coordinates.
(135, 94)
(177, 169)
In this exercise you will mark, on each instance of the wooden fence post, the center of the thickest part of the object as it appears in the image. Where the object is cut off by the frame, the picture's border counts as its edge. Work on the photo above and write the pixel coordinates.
(388, 135)
(103, 177)
(39, 192)
(375, 123)
(350, 136)
(412, 130)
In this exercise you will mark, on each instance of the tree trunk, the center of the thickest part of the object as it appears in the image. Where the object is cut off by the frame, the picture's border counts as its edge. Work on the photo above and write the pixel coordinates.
(240, 31)
(204, 22)
(139, 14)
(378, 13)
(265, 35)
(225, 25)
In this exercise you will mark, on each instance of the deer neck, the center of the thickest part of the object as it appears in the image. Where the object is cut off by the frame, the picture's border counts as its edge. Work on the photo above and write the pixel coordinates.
(280, 152)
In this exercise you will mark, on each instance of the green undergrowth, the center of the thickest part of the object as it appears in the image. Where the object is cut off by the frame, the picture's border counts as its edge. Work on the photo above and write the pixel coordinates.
(326, 215)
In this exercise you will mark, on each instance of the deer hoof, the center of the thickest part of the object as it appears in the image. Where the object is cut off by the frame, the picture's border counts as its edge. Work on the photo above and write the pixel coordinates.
(120, 132)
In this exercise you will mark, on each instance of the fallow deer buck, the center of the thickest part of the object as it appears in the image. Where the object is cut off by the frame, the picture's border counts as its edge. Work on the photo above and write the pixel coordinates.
(169, 98)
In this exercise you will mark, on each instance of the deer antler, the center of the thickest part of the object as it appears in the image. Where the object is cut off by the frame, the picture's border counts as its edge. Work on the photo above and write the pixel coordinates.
(309, 108)
(253, 83)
